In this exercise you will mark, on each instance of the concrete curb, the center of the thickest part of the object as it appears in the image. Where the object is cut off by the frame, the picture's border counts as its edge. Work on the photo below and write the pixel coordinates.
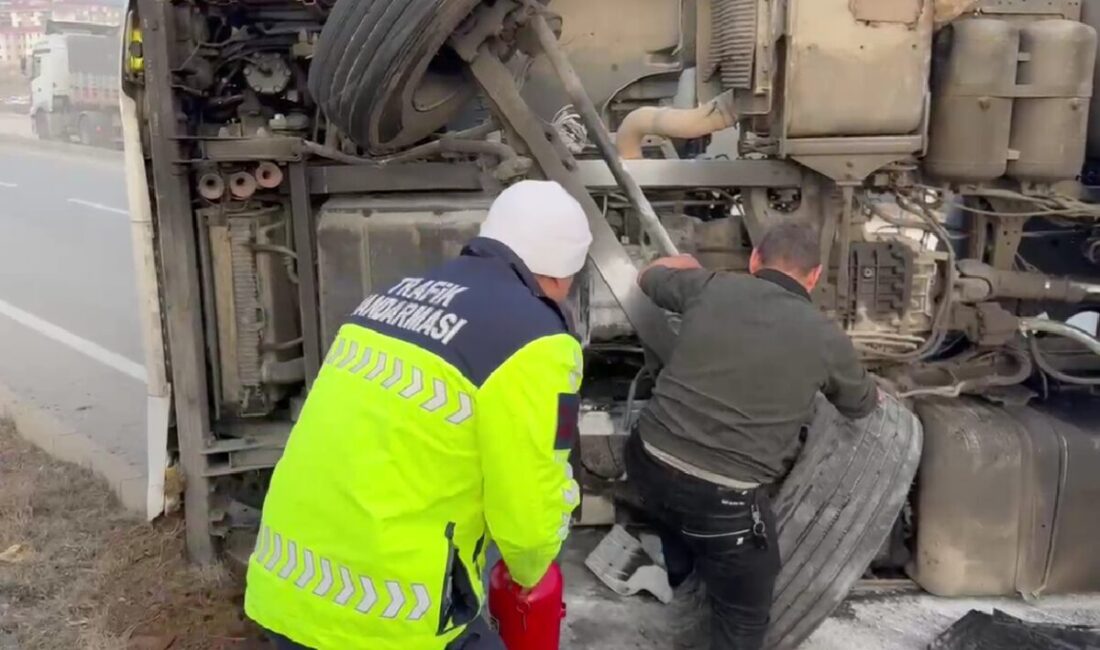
(104, 156)
(66, 443)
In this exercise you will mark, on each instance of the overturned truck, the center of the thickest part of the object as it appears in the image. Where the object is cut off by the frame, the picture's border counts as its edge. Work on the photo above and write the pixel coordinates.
(287, 158)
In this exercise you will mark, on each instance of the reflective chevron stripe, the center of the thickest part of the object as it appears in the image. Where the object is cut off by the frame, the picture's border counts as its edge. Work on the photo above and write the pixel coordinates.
(262, 542)
(439, 396)
(363, 362)
(291, 561)
(307, 575)
(325, 585)
(465, 409)
(563, 532)
(337, 351)
(342, 587)
(370, 596)
(416, 386)
(348, 591)
(423, 602)
(276, 554)
(396, 373)
(397, 599)
(353, 349)
(576, 375)
(379, 366)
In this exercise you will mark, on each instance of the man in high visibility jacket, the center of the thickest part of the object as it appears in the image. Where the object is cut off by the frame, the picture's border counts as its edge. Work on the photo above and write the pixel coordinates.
(441, 421)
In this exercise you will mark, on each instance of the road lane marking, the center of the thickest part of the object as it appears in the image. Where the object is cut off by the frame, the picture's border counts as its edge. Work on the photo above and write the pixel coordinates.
(99, 206)
(84, 346)
(4, 184)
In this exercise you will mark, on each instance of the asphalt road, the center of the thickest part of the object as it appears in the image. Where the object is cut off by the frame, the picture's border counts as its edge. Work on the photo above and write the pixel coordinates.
(70, 339)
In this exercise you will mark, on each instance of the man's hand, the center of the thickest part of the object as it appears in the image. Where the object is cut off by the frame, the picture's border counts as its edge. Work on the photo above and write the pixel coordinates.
(884, 387)
(681, 262)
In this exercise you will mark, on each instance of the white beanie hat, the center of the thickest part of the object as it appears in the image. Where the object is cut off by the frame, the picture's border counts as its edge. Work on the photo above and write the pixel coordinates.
(543, 225)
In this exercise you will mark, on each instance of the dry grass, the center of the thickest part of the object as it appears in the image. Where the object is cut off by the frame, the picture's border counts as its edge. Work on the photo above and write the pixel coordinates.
(87, 576)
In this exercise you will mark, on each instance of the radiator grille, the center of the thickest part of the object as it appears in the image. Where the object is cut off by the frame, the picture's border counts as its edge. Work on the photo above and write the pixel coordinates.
(734, 41)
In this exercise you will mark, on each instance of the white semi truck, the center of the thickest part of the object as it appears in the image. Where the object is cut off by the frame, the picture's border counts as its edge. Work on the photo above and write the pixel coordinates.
(74, 87)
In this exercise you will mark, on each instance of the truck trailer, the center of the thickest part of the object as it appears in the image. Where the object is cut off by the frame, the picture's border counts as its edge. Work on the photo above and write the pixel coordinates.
(74, 87)
(287, 158)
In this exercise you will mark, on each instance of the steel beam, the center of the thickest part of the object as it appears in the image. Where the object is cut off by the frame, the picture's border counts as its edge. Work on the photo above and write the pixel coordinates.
(543, 143)
(301, 216)
(412, 177)
(573, 86)
(595, 174)
(694, 174)
(180, 270)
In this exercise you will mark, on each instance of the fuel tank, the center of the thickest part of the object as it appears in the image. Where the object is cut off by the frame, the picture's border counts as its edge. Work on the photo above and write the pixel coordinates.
(1006, 499)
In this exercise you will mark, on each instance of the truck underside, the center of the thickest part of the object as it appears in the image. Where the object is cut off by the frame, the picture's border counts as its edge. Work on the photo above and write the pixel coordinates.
(299, 155)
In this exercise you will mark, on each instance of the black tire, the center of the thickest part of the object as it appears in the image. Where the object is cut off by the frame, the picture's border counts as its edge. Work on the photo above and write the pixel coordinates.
(836, 510)
(42, 126)
(86, 132)
(382, 73)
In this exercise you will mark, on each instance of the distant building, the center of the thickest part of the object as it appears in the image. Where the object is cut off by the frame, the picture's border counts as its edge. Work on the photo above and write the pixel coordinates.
(87, 11)
(23, 22)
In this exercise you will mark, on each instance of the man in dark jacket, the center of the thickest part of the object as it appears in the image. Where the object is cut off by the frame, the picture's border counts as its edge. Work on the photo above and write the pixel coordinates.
(728, 414)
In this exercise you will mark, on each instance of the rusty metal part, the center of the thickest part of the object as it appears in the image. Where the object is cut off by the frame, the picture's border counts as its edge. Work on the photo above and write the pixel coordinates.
(683, 123)
(548, 41)
(1068, 9)
(511, 165)
(211, 186)
(948, 10)
(987, 324)
(905, 12)
(980, 282)
(556, 163)
(733, 41)
(974, 373)
(269, 175)
(242, 185)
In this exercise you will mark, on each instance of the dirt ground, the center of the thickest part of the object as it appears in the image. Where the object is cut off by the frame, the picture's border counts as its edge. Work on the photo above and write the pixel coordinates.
(78, 573)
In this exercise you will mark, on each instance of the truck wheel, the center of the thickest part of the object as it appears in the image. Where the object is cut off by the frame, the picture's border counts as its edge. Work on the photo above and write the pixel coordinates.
(86, 132)
(382, 73)
(42, 126)
(836, 510)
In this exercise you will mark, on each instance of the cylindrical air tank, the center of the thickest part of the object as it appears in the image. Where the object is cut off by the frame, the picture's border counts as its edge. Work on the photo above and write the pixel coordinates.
(1054, 87)
(1090, 15)
(974, 75)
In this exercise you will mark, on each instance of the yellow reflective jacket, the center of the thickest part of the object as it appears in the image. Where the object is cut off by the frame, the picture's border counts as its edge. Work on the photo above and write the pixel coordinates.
(442, 419)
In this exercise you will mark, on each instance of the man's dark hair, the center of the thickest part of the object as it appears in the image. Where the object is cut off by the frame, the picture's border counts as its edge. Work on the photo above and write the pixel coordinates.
(791, 244)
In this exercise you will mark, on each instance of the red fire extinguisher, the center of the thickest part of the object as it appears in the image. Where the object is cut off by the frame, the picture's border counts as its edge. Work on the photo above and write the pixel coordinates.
(529, 621)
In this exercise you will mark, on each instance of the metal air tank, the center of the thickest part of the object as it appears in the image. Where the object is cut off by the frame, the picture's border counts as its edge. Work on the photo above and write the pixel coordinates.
(1054, 87)
(1090, 15)
(974, 74)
